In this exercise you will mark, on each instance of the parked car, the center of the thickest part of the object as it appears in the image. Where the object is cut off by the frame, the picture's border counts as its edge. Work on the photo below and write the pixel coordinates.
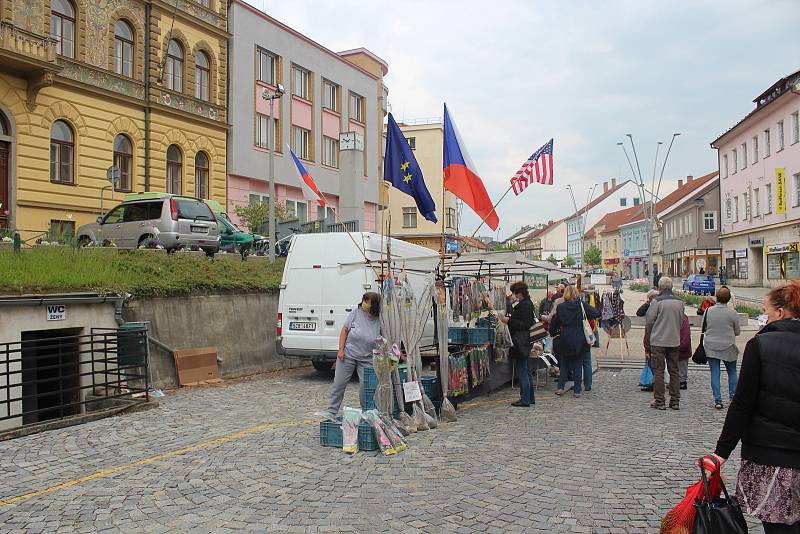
(171, 220)
(699, 284)
(231, 235)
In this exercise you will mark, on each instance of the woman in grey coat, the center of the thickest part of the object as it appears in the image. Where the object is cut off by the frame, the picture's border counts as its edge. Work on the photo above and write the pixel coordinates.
(719, 341)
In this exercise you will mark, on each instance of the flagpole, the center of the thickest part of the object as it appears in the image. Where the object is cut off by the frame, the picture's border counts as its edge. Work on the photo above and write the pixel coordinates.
(339, 220)
(493, 209)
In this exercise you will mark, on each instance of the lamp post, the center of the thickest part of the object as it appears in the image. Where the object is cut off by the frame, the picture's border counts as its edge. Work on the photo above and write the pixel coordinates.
(270, 125)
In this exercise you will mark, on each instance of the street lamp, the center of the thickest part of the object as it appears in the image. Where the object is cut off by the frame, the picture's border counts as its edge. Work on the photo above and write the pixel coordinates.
(271, 126)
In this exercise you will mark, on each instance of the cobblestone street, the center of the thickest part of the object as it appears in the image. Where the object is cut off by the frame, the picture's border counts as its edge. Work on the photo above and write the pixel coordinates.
(245, 455)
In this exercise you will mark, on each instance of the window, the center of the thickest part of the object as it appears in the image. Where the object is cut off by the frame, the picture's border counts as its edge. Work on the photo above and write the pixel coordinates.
(62, 27)
(767, 144)
(615, 245)
(330, 95)
(173, 67)
(300, 142)
(757, 199)
(725, 166)
(780, 136)
(409, 217)
(356, 107)
(746, 202)
(744, 156)
(330, 151)
(201, 175)
(709, 221)
(255, 198)
(735, 161)
(623, 202)
(202, 77)
(265, 66)
(265, 131)
(296, 209)
(689, 224)
(61, 231)
(637, 201)
(797, 189)
(123, 160)
(204, 3)
(736, 209)
(680, 226)
(451, 220)
(728, 212)
(768, 194)
(301, 78)
(795, 127)
(755, 148)
(123, 49)
(412, 142)
(174, 169)
(62, 153)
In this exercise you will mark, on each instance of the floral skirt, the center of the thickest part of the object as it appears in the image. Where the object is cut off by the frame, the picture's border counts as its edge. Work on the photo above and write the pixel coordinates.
(771, 494)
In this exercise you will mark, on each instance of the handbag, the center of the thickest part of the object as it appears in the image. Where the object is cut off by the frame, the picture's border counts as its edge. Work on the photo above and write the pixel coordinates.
(699, 356)
(588, 332)
(717, 516)
(538, 331)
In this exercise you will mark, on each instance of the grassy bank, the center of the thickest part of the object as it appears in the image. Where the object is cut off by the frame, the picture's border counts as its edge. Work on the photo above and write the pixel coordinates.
(139, 272)
(696, 300)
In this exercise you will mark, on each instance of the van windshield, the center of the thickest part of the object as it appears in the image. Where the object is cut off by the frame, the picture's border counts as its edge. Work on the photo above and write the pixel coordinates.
(193, 209)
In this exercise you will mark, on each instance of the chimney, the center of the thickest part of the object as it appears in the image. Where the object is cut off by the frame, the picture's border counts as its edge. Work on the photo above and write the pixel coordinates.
(613, 183)
(605, 187)
(689, 179)
(680, 183)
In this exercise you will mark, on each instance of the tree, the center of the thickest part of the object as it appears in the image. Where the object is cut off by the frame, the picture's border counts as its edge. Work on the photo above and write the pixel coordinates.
(552, 259)
(569, 261)
(593, 256)
(256, 214)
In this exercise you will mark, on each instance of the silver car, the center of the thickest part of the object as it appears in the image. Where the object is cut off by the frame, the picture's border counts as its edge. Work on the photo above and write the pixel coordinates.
(172, 221)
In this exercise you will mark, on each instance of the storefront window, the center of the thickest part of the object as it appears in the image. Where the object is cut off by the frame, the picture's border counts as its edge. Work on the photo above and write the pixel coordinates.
(774, 266)
(783, 266)
(792, 265)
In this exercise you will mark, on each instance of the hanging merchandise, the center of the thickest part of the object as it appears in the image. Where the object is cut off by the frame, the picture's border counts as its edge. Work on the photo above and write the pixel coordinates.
(479, 365)
(457, 377)
(385, 359)
(352, 416)
(447, 412)
(384, 443)
(502, 342)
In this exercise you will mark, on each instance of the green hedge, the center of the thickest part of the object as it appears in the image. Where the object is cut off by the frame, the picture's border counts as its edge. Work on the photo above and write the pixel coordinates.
(139, 272)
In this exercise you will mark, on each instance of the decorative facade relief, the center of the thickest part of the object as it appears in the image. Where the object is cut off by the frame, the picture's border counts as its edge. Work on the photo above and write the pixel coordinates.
(29, 15)
(190, 105)
(99, 29)
(102, 79)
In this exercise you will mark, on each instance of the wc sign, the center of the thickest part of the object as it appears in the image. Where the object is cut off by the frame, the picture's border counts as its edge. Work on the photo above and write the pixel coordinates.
(56, 312)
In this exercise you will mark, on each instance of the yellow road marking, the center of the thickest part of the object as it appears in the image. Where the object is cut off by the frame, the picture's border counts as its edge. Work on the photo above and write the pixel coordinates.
(144, 461)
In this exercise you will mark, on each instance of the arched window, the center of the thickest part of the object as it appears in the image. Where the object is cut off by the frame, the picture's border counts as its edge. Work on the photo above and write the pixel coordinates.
(62, 153)
(123, 160)
(202, 76)
(201, 175)
(173, 68)
(62, 26)
(123, 49)
(174, 169)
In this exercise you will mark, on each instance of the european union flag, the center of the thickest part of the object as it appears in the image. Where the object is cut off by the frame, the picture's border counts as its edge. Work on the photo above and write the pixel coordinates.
(401, 169)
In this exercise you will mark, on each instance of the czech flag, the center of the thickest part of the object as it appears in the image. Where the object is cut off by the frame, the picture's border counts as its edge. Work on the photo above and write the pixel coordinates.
(461, 177)
(309, 187)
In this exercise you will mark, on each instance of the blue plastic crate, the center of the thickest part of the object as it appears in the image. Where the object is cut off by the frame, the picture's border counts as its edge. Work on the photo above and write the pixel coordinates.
(370, 379)
(368, 388)
(431, 386)
(457, 335)
(330, 435)
(479, 336)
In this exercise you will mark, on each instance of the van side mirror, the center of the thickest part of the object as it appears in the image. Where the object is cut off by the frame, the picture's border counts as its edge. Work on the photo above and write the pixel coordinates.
(99, 219)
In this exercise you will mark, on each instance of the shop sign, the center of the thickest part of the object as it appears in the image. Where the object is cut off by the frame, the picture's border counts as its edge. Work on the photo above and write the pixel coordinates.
(612, 261)
(411, 391)
(777, 249)
(728, 254)
(700, 252)
(56, 312)
(626, 252)
(756, 242)
(536, 281)
(741, 252)
(451, 246)
(701, 263)
(780, 190)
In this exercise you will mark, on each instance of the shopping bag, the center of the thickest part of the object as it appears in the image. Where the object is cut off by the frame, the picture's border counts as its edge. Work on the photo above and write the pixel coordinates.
(646, 376)
(588, 331)
(699, 356)
(721, 515)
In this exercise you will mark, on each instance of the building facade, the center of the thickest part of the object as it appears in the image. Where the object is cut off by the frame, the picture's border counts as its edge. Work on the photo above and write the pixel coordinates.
(613, 197)
(759, 166)
(331, 115)
(547, 241)
(138, 86)
(635, 252)
(407, 223)
(605, 234)
(690, 227)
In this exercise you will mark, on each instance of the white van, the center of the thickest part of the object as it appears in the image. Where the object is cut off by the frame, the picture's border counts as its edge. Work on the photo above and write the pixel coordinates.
(317, 293)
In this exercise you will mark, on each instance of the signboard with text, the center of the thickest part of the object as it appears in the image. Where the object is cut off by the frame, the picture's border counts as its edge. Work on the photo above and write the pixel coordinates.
(56, 312)
(780, 190)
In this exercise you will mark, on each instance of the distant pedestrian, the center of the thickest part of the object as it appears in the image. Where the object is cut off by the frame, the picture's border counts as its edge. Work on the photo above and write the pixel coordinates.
(685, 352)
(723, 276)
(719, 341)
(642, 312)
(702, 271)
(656, 278)
(706, 304)
(568, 324)
(664, 318)
(356, 341)
(764, 417)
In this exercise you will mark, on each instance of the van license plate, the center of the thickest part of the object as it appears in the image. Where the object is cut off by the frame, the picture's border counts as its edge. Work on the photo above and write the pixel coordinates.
(303, 326)
(199, 229)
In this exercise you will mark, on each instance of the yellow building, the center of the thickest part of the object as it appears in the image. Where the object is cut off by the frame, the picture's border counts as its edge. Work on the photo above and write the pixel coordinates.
(87, 85)
(406, 221)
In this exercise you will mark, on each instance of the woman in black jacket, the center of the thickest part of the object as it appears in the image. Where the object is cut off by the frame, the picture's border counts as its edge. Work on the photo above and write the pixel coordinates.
(520, 321)
(765, 416)
(567, 323)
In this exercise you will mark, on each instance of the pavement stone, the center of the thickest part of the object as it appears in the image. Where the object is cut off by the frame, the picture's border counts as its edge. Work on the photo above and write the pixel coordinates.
(603, 463)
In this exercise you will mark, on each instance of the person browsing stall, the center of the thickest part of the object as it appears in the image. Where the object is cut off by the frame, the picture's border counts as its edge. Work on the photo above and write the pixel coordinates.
(356, 340)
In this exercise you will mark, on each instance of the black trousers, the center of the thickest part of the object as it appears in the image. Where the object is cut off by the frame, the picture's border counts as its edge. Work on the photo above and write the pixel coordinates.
(777, 528)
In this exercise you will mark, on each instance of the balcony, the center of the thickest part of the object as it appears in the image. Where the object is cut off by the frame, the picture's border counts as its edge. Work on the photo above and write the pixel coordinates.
(25, 51)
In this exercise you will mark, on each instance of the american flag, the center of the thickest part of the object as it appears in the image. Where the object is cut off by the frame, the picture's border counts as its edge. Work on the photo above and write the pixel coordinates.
(539, 164)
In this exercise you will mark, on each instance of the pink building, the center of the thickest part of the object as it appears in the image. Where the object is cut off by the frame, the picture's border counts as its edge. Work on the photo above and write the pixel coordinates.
(759, 169)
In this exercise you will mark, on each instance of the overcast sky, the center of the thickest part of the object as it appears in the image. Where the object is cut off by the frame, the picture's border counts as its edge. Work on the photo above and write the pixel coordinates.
(585, 72)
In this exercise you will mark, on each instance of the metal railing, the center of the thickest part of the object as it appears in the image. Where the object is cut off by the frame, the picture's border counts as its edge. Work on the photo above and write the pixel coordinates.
(48, 378)
(318, 227)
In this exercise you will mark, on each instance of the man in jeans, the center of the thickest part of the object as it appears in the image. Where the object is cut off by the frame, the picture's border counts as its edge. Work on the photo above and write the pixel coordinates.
(664, 319)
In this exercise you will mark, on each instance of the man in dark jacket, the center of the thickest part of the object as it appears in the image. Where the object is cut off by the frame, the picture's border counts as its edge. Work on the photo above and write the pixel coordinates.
(656, 278)
(664, 319)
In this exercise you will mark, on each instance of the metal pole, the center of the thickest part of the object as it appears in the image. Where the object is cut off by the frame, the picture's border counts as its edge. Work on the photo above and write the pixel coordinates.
(653, 200)
(653, 214)
(584, 218)
(271, 223)
(491, 211)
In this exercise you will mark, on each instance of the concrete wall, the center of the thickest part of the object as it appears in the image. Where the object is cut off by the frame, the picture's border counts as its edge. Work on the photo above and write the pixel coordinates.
(240, 325)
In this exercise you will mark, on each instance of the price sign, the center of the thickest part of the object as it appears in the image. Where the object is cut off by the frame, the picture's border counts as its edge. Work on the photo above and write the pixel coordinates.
(411, 391)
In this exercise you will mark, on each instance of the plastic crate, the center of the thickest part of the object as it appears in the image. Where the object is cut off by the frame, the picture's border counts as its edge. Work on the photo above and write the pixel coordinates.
(330, 435)
(431, 386)
(368, 388)
(458, 335)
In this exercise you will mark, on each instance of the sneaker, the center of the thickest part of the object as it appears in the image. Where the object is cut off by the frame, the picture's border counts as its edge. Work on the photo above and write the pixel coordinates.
(684, 385)
(657, 406)
(674, 407)
(519, 403)
(576, 395)
(587, 389)
(718, 406)
(559, 392)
